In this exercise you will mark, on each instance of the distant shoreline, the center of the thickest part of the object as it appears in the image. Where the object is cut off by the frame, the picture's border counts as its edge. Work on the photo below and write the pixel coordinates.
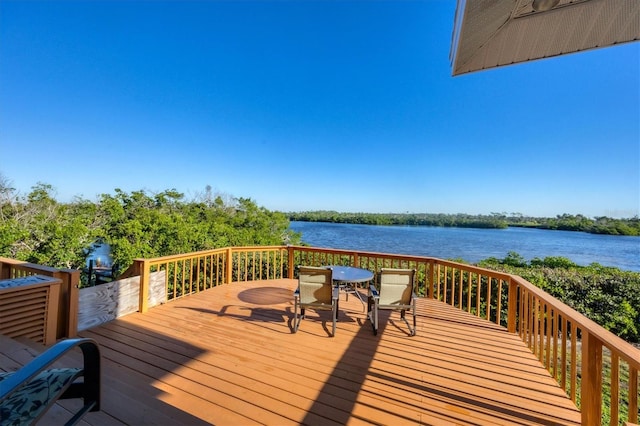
(600, 225)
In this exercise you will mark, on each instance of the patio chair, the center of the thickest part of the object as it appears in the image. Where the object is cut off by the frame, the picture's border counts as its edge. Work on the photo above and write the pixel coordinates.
(396, 293)
(315, 291)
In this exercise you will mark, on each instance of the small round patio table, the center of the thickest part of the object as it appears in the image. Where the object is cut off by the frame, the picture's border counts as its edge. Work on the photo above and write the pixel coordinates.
(347, 278)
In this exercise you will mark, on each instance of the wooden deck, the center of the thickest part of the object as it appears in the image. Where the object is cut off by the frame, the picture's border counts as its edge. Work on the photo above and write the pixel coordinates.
(227, 356)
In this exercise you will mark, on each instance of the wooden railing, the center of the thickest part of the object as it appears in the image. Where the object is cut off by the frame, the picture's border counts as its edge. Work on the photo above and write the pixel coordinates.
(67, 321)
(573, 348)
(194, 272)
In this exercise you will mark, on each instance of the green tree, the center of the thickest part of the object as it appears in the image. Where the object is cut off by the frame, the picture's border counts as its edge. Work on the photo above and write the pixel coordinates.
(38, 229)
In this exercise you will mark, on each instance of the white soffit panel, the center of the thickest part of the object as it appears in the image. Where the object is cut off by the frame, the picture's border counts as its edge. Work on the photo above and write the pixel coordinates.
(490, 33)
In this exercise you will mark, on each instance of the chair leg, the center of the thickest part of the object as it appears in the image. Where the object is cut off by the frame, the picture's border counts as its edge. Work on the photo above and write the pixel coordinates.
(335, 318)
(296, 320)
(372, 314)
(375, 319)
(412, 331)
(414, 321)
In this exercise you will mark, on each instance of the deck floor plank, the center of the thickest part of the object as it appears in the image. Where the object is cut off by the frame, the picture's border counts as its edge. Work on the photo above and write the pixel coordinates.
(228, 356)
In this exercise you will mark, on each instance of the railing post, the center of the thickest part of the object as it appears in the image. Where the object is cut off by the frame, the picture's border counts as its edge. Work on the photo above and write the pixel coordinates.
(52, 321)
(5, 271)
(143, 267)
(591, 380)
(512, 306)
(229, 270)
(68, 304)
(291, 261)
(356, 260)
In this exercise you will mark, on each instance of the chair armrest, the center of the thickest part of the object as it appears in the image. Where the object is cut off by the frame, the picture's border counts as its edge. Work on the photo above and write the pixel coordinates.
(296, 293)
(336, 293)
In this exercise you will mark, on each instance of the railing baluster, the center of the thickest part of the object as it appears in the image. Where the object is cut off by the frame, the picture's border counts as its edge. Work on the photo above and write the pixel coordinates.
(221, 267)
(523, 313)
(512, 307)
(195, 275)
(444, 284)
(615, 389)
(633, 394)
(460, 284)
(244, 277)
(268, 264)
(563, 356)
(547, 334)
(469, 291)
(478, 293)
(542, 331)
(554, 331)
(180, 290)
(454, 285)
(574, 364)
(239, 264)
(499, 302)
(175, 279)
(521, 316)
(534, 323)
(438, 283)
(526, 318)
(487, 297)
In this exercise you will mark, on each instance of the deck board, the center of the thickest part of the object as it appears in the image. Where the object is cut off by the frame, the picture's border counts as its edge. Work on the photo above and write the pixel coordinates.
(228, 356)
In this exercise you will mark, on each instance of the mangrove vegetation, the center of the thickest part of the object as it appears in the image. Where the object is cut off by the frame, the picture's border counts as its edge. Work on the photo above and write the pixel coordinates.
(565, 222)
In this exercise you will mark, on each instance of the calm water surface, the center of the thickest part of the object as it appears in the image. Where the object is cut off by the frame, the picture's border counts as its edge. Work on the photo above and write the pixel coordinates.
(473, 245)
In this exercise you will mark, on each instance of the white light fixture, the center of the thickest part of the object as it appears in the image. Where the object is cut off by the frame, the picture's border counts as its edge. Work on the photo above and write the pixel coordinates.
(544, 5)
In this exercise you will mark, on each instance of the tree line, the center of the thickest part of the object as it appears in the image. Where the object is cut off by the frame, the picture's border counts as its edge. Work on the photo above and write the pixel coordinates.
(565, 222)
(406, 219)
(38, 229)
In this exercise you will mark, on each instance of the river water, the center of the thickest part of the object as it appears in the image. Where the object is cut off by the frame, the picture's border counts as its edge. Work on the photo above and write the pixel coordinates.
(473, 245)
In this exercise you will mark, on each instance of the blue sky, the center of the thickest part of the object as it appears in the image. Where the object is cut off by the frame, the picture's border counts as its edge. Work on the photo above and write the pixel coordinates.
(323, 105)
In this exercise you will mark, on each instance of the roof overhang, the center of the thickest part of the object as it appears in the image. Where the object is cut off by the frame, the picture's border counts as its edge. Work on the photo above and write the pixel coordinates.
(493, 33)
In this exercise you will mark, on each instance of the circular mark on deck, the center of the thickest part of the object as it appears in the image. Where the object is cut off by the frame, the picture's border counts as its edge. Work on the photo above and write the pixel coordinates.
(266, 295)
